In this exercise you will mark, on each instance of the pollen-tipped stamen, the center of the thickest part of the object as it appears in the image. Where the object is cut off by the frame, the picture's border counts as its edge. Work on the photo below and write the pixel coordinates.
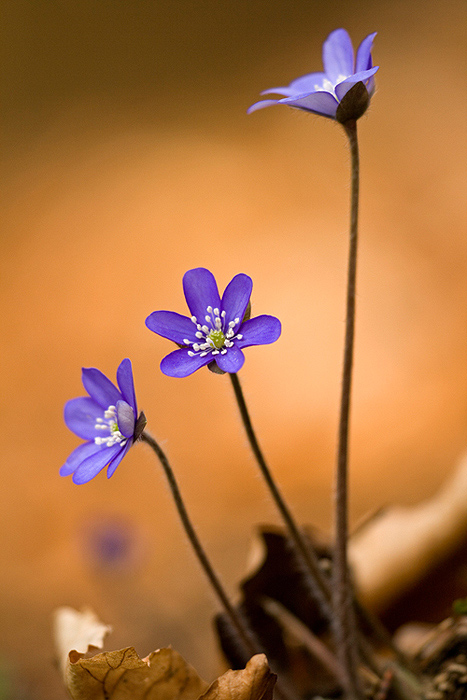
(109, 422)
(217, 339)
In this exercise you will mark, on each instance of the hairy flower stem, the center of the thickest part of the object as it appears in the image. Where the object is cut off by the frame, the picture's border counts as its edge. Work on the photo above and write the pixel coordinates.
(344, 616)
(314, 576)
(317, 581)
(245, 636)
(243, 632)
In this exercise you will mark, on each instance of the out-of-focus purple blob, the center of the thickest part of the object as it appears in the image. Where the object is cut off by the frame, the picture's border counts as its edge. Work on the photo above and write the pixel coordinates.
(110, 544)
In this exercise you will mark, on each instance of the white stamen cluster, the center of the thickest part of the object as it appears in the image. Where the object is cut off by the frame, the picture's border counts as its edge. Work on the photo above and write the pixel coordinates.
(109, 422)
(215, 338)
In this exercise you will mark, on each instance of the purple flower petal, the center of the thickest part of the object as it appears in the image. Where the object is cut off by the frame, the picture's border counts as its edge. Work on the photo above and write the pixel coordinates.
(172, 326)
(285, 91)
(100, 388)
(232, 361)
(260, 330)
(80, 416)
(126, 384)
(363, 60)
(117, 459)
(261, 105)
(201, 291)
(236, 297)
(179, 364)
(125, 419)
(78, 455)
(338, 55)
(322, 103)
(362, 77)
(308, 83)
(93, 464)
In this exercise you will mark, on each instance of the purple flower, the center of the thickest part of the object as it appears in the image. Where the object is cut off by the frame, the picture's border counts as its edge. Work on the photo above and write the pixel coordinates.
(218, 328)
(106, 419)
(322, 93)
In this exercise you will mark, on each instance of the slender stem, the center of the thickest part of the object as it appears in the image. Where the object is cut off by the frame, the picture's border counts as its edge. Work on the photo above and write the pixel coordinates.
(344, 618)
(251, 647)
(318, 583)
(244, 634)
(315, 577)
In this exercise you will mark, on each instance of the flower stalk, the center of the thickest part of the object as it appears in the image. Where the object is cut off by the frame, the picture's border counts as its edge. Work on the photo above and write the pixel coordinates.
(344, 617)
(244, 634)
(313, 575)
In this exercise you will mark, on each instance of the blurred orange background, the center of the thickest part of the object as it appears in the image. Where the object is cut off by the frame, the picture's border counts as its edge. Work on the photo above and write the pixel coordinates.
(128, 158)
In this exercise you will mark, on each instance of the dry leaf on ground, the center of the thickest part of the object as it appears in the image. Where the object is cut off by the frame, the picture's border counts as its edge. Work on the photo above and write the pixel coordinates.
(122, 674)
(396, 548)
(76, 633)
(255, 682)
(163, 675)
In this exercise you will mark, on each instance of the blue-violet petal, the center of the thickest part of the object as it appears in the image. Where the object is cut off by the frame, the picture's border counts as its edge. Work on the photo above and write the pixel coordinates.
(363, 77)
(201, 291)
(125, 419)
(180, 364)
(232, 361)
(100, 388)
(261, 105)
(308, 83)
(322, 103)
(126, 384)
(261, 330)
(363, 60)
(91, 466)
(172, 326)
(236, 297)
(80, 416)
(117, 459)
(338, 55)
(82, 452)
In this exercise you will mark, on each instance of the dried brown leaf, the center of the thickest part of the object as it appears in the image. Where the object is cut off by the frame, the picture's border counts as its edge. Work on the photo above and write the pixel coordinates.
(395, 549)
(255, 682)
(122, 675)
(76, 633)
(163, 675)
(275, 576)
(118, 675)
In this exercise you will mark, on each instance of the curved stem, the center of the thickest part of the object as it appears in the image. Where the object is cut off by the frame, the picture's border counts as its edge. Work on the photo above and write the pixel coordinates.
(243, 632)
(344, 618)
(251, 647)
(315, 578)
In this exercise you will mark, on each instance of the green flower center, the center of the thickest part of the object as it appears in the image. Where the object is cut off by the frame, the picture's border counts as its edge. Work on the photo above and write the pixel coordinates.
(216, 339)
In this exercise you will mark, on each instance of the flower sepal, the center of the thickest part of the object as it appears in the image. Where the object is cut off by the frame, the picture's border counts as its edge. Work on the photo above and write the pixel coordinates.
(247, 314)
(214, 368)
(354, 104)
(140, 425)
